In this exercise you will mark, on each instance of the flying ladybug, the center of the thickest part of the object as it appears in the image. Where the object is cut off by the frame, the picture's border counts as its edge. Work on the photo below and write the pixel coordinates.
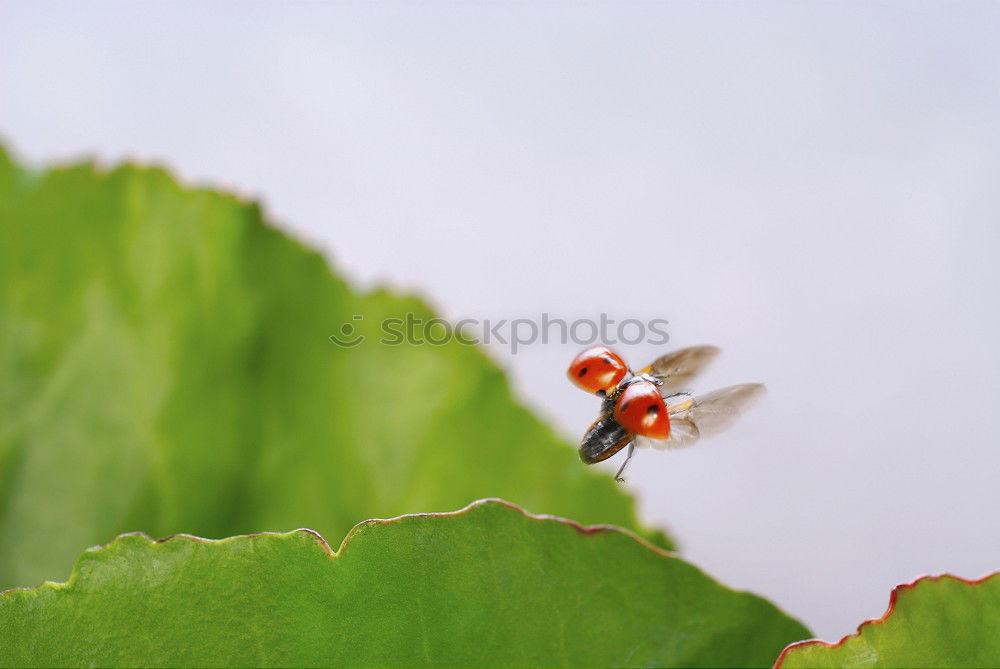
(652, 407)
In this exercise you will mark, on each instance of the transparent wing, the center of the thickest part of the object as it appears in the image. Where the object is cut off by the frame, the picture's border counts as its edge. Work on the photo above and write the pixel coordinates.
(683, 433)
(692, 418)
(677, 369)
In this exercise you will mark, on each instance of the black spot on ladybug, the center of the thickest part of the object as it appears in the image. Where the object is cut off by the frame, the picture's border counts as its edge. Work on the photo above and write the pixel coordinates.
(625, 406)
(653, 409)
(581, 372)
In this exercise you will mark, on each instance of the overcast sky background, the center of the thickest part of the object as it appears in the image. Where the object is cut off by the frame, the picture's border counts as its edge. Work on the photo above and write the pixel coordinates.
(815, 187)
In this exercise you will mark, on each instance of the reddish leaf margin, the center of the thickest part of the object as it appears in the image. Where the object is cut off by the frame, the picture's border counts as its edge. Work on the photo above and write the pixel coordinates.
(893, 598)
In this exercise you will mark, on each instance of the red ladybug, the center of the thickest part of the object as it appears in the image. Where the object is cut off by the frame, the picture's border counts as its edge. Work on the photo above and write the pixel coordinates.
(651, 408)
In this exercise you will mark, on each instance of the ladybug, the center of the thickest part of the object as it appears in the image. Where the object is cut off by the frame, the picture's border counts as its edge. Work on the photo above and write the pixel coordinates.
(652, 407)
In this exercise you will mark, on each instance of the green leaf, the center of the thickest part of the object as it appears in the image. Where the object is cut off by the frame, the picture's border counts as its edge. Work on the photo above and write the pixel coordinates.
(488, 585)
(941, 621)
(165, 366)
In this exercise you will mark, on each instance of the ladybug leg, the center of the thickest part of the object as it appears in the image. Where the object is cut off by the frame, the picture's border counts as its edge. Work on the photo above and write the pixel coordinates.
(628, 456)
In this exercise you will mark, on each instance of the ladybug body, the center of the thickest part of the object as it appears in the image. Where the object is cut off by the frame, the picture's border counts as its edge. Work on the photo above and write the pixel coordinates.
(603, 439)
(650, 408)
(624, 414)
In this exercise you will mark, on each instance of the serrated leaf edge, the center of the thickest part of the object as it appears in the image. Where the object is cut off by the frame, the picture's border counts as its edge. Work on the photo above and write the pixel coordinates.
(893, 598)
(324, 544)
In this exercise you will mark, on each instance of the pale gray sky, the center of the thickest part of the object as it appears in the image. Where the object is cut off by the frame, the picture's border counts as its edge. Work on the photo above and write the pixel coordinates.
(811, 186)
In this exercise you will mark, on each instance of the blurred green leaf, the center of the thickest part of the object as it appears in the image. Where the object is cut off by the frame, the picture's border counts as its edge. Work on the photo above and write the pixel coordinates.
(484, 586)
(165, 366)
(935, 622)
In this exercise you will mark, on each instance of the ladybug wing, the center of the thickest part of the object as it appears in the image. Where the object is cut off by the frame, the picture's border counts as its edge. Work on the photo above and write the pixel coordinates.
(683, 433)
(692, 418)
(675, 370)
